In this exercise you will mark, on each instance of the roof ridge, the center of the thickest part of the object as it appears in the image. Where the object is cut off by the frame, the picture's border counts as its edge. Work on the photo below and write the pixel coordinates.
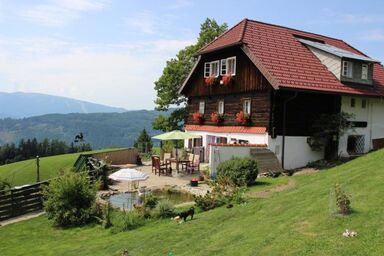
(225, 32)
(294, 29)
(243, 32)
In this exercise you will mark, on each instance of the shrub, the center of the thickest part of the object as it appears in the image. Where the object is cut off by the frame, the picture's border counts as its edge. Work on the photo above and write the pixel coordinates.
(150, 201)
(164, 209)
(342, 200)
(242, 171)
(209, 201)
(70, 200)
(105, 212)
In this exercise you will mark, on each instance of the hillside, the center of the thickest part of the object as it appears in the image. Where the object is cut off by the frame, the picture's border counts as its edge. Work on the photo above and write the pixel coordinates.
(100, 129)
(20, 105)
(299, 220)
(24, 172)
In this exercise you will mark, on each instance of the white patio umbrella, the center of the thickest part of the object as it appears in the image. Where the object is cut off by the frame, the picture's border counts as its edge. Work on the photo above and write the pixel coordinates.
(128, 174)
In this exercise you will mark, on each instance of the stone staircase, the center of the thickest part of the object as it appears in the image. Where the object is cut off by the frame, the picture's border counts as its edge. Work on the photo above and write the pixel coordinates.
(266, 160)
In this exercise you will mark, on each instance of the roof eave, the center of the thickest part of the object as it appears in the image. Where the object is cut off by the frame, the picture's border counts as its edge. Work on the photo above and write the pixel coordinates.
(189, 75)
(218, 48)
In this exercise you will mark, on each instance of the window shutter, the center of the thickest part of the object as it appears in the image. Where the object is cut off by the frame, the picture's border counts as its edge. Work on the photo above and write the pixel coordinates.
(223, 67)
(207, 69)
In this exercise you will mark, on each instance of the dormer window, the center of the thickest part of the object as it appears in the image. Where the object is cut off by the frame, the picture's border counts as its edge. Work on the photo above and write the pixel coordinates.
(228, 66)
(347, 69)
(211, 69)
(364, 71)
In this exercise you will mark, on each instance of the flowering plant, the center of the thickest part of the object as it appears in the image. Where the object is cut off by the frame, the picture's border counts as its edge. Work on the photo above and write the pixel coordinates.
(227, 79)
(217, 118)
(209, 81)
(242, 118)
(198, 117)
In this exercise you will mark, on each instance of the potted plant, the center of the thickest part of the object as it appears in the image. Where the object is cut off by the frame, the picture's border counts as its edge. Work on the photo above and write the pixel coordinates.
(198, 117)
(243, 118)
(209, 81)
(217, 118)
(227, 80)
(194, 182)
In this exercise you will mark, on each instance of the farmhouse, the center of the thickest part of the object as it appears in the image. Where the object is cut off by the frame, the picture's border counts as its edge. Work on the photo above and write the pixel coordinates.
(265, 85)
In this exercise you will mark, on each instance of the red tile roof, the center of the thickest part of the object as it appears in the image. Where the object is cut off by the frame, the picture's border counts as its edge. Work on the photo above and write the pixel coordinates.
(287, 62)
(225, 129)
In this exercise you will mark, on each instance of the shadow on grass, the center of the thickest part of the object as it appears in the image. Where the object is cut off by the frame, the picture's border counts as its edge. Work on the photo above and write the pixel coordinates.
(260, 183)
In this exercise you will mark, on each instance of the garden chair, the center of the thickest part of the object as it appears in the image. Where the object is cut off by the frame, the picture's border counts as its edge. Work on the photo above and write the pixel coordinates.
(185, 165)
(161, 168)
(194, 165)
(167, 158)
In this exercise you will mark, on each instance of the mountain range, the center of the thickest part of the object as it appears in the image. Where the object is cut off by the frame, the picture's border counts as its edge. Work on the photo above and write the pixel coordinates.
(21, 104)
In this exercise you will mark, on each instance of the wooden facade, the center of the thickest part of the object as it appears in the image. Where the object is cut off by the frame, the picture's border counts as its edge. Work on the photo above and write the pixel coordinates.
(248, 83)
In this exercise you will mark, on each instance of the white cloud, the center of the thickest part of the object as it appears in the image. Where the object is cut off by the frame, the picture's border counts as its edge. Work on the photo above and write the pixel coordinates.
(58, 13)
(144, 22)
(116, 74)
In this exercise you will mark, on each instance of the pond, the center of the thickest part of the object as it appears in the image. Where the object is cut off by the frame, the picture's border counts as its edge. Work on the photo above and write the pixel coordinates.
(128, 199)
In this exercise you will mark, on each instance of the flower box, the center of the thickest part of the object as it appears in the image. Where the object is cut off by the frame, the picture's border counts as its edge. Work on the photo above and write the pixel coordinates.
(227, 80)
(243, 118)
(209, 81)
(217, 118)
(198, 117)
(194, 182)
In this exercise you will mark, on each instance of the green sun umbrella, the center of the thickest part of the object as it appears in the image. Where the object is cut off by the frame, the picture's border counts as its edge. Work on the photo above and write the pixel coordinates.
(176, 135)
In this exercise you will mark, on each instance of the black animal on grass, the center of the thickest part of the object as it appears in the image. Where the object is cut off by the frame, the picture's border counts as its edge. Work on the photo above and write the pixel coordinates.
(183, 215)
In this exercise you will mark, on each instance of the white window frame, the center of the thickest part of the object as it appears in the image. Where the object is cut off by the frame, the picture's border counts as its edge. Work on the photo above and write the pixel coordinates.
(233, 73)
(207, 69)
(364, 72)
(223, 67)
(217, 68)
(202, 107)
(247, 106)
(347, 70)
(220, 107)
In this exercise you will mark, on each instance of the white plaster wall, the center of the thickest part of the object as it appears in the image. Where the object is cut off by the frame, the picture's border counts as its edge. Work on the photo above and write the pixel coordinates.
(220, 154)
(297, 151)
(332, 62)
(373, 114)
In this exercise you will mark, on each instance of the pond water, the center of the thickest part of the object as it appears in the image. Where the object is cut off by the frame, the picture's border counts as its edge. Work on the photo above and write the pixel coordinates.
(128, 199)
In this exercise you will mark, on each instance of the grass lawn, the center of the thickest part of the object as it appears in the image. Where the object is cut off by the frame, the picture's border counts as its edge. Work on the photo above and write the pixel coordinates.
(24, 172)
(298, 221)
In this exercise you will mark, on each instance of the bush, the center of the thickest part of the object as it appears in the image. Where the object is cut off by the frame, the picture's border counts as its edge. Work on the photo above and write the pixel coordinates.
(105, 211)
(70, 200)
(150, 201)
(342, 200)
(209, 202)
(242, 171)
(164, 209)
(4, 184)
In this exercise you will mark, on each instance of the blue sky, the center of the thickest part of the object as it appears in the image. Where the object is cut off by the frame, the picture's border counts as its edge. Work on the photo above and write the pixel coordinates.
(111, 52)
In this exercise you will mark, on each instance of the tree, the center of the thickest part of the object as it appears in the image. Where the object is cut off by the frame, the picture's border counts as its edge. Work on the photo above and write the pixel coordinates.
(143, 142)
(174, 74)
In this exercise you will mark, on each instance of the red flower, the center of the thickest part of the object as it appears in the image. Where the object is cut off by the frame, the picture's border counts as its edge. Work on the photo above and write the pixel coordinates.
(227, 79)
(197, 117)
(242, 118)
(216, 117)
(209, 81)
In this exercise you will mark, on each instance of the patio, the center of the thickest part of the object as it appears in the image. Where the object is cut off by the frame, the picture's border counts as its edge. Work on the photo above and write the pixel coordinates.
(179, 180)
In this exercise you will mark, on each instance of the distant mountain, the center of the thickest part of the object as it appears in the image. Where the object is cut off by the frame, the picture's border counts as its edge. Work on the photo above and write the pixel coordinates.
(20, 104)
(99, 129)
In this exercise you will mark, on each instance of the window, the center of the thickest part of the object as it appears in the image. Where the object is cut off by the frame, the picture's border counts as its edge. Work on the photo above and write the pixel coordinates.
(353, 103)
(228, 66)
(363, 103)
(364, 71)
(347, 69)
(201, 107)
(247, 106)
(231, 63)
(211, 68)
(355, 144)
(207, 69)
(220, 107)
(223, 70)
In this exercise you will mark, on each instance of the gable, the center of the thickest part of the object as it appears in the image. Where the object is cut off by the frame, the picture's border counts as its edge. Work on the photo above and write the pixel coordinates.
(287, 63)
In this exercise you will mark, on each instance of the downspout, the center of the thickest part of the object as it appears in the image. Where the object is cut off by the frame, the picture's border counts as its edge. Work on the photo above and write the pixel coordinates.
(284, 126)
